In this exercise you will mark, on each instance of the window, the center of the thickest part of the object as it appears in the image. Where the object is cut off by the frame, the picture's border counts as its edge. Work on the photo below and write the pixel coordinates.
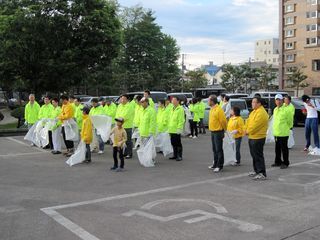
(289, 8)
(275, 60)
(289, 45)
(316, 65)
(313, 14)
(312, 27)
(289, 33)
(315, 91)
(289, 20)
(290, 58)
(311, 41)
(257, 44)
(312, 2)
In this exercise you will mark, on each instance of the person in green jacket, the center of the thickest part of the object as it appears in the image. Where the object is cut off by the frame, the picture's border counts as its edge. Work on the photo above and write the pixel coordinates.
(94, 111)
(162, 117)
(56, 130)
(110, 109)
(290, 108)
(175, 128)
(194, 108)
(138, 109)
(147, 127)
(282, 123)
(147, 95)
(45, 112)
(126, 110)
(202, 129)
(78, 115)
(31, 111)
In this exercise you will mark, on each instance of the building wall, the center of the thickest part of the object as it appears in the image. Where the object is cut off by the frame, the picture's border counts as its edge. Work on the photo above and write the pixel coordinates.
(267, 50)
(303, 47)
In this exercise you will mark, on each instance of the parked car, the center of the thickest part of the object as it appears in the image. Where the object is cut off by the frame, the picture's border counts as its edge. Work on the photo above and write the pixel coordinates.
(241, 103)
(236, 95)
(86, 101)
(111, 98)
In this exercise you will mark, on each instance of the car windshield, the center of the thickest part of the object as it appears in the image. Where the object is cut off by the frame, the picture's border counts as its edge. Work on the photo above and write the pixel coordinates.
(85, 99)
(158, 96)
(239, 104)
(188, 95)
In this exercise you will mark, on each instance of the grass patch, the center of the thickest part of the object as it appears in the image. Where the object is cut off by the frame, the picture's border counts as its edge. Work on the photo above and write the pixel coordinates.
(9, 126)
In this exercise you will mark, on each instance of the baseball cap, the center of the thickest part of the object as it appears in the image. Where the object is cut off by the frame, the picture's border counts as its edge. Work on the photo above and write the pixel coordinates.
(278, 96)
(119, 120)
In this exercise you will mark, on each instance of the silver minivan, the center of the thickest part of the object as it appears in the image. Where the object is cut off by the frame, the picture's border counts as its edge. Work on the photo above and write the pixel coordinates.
(241, 103)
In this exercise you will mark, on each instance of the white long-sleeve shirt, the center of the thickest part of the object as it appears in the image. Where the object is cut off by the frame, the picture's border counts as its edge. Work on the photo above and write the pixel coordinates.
(312, 111)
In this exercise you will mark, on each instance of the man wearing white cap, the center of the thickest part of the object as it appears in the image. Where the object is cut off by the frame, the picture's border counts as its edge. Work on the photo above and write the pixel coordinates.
(282, 122)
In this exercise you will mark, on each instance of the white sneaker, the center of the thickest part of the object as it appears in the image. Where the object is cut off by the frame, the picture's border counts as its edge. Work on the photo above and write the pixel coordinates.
(216, 170)
(190, 136)
(195, 137)
(235, 164)
(100, 152)
(32, 145)
(259, 177)
(211, 167)
(252, 174)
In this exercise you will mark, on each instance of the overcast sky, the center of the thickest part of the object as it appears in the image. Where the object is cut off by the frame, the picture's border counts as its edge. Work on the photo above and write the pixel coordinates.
(215, 30)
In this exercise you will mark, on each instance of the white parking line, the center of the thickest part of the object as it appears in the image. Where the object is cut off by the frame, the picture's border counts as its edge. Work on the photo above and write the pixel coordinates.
(23, 143)
(84, 235)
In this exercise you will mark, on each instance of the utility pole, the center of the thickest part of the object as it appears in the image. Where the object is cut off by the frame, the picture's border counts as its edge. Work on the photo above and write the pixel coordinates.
(182, 71)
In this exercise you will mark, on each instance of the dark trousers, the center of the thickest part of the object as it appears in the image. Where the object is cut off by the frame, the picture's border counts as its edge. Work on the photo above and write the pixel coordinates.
(238, 146)
(128, 150)
(176, 144)
(88, 152)
(256, 151)
(68, 143)
(193, 128)
(117, 150)
(202, 128)
(50, 140)
(311, 125)
(282, 147)
(217, 148)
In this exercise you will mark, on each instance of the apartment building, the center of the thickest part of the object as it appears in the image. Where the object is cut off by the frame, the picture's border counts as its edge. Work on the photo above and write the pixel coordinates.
(267, 51)
(300, 42)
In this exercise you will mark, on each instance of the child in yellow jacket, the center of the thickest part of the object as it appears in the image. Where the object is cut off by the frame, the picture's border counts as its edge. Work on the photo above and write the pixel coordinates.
(236, 128)
(86, 133)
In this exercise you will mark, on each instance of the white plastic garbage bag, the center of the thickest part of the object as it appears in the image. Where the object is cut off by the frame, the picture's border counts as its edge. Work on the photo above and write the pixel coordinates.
(229, 149)
(164, 144)
(38, 134)
(79, 155)
(291, 141)
(71, 130)
(136, 134)
(270, 137)
(103, 125)
(147, 152)
(187, 130)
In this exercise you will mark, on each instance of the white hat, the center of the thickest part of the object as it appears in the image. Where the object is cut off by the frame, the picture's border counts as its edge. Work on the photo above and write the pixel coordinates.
(278, 96)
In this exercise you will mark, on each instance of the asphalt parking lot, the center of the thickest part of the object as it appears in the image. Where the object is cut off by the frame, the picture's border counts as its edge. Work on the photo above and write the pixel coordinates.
(42, 198)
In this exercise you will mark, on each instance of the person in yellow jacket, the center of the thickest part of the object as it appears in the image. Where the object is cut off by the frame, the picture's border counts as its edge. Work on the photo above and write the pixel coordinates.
(66, 114)
(110, 109)
(120, 138)
(175, 128)
(217, 126)
(195, 110)
(202, 129)
(86, 133)
(94, 111)
(72, 102)
(31, 111)
(78, 115)
(126, 110)
(46, 113)
(236, 128)
(282, 122)
(56, 130)
(256, 128)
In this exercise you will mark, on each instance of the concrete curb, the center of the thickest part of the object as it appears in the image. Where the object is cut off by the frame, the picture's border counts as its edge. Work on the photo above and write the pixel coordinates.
(13, 132)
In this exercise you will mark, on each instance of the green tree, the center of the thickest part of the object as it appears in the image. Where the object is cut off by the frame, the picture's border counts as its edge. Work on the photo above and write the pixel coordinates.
(196, 80)
(233, 77)
(56, 45)
(296, 79)
(267, 75)
(149, 57)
